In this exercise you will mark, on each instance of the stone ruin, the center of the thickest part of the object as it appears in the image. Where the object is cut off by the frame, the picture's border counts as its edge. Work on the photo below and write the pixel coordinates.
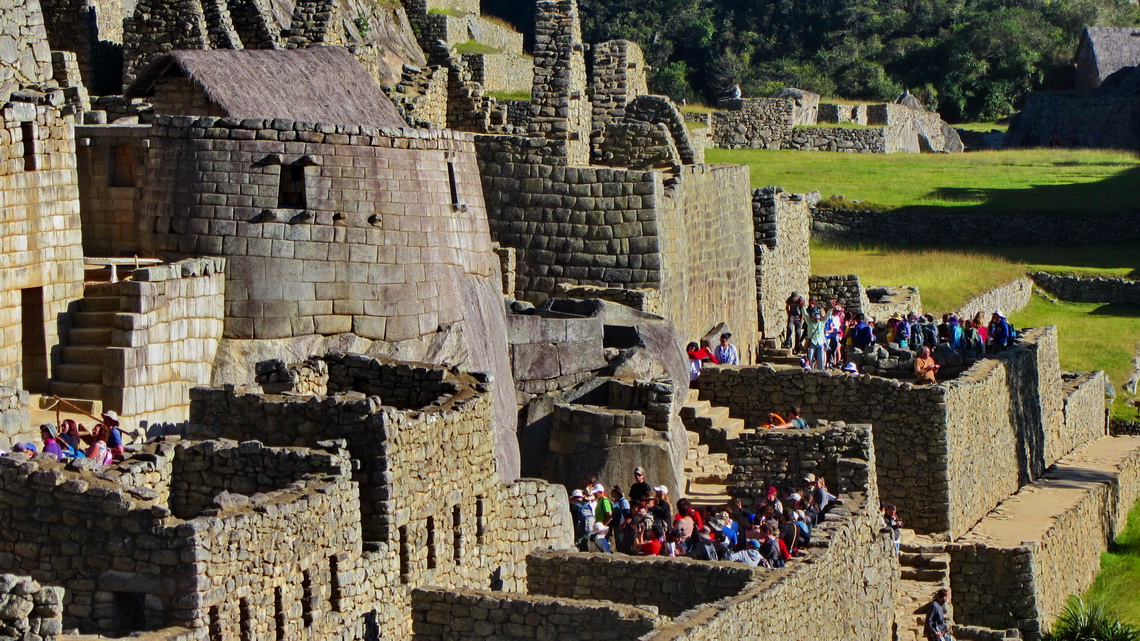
(351, 321)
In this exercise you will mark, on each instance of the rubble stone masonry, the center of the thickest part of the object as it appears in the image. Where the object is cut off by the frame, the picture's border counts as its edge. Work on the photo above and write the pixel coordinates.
(23, 39)
(946, 454)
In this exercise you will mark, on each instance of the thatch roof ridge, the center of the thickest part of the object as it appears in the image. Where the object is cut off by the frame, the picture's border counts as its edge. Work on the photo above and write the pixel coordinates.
(316, 84)
(1113, 48)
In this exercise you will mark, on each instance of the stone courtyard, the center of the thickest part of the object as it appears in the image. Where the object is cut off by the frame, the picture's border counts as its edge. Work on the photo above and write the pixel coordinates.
(366, 325)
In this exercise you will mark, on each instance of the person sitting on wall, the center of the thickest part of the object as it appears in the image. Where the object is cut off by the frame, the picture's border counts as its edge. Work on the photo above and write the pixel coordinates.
(686, 520)
(697, 356)
(818, 486)
(49, 433)
(777, 422)
(650, 540)
(1000, 332)
(23, 450)
(747, 552)
(726, 353)
(770, 552)
(925, 368)
(851, 368)
(794, 333)
(114, 436)
(789, 533)
(98, 450)
(936, 628)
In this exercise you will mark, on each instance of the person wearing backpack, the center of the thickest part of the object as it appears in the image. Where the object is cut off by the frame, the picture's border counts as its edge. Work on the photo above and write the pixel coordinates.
(1001, 332)
(864, 334)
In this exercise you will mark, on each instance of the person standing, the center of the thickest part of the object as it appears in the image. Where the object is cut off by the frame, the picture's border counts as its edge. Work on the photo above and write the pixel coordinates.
(925, 368)
(816, 340)
(794, 334)
(936, 627)
(640, 489)
(726, 353)
(1000, 332)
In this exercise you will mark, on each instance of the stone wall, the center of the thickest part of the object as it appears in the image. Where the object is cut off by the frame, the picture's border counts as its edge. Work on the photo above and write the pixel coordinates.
(782, 233)
(43, 271)
(501, 71)
(1038, 578)
(421, 95)
(830, 112)
(1082, 289)
(672, 586)
(381, 233)
(625, 229)
(760, 123)
(92, 31)
(618, 76)
(1084, 409)
(644, 300)
(637, 145)
(560, 106)
(31, 612)
(847, 290)
(157, 27)
(783, 457)
(707, 258)
(1103, 122)
(553, 353)
(442, 615)
(15, 423)
(854, 559)
(946, 454)
(1014, 229)
(111, 163)
(164, 340)
(1009, 298)
(869, 140)
(27, 59)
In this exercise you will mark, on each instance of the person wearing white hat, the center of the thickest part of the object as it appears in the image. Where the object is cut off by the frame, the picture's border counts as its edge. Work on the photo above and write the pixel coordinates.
(1000, 332)
(663, 510)
(583, 517)
(602, 505)
(598, 542)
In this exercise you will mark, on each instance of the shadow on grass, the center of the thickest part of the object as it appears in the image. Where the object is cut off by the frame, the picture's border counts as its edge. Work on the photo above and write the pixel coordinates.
(1117, 309)
(1109, 196)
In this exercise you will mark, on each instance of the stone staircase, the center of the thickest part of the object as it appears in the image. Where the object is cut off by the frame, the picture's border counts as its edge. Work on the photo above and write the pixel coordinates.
(924, 568)
(710, 429)
(79, 374)
(771, 352)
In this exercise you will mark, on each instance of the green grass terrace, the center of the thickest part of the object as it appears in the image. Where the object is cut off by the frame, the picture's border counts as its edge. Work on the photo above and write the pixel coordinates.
(1064, 182)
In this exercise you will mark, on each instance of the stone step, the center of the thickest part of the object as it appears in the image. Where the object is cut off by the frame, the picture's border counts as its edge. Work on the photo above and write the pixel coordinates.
(79, 373)
(693, 438)
(692, 396)
(90, 391)
(94, 319)
(84, 354)
(926, 576)
(99, 304)
(932, 560)
(89, 335)
(694, 409)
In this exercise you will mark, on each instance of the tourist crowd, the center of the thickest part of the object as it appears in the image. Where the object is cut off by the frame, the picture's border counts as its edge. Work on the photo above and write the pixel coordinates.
(102, 444)
(644, 522)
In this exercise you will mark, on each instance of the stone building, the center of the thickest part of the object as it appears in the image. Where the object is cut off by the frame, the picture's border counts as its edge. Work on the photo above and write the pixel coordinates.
(1102, 51)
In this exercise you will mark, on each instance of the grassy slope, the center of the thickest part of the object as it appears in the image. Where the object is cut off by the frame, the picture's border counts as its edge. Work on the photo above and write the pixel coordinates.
(1057, 181)
(1118, 584)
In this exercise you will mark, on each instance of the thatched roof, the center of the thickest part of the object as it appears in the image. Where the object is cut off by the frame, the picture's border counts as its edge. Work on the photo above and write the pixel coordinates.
(318, 84)
(1111, 48)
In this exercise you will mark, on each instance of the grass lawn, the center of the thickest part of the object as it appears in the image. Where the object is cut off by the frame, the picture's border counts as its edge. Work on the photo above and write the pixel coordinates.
(472, 46)
(984, 127)
(510, 95)
(1055, 181)
(1118, 584)
(1092, 336)
(455, 13)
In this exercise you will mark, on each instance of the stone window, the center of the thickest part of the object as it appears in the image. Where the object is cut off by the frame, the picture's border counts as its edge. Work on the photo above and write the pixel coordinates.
(334, 583)
(480, 518)
(245, 620)
(454, 185)
(215, 624)
(122, 166)
(457, 533)
(431, 557)
(28, 136)
(292, 193)
(279, 612)
(404, 560)
(307, 599)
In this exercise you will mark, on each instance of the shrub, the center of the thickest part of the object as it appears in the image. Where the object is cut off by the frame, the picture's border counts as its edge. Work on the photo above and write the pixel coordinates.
(1081, 622)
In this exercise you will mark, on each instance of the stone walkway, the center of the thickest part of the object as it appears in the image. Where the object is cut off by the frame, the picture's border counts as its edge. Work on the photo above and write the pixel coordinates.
(1027, 515)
